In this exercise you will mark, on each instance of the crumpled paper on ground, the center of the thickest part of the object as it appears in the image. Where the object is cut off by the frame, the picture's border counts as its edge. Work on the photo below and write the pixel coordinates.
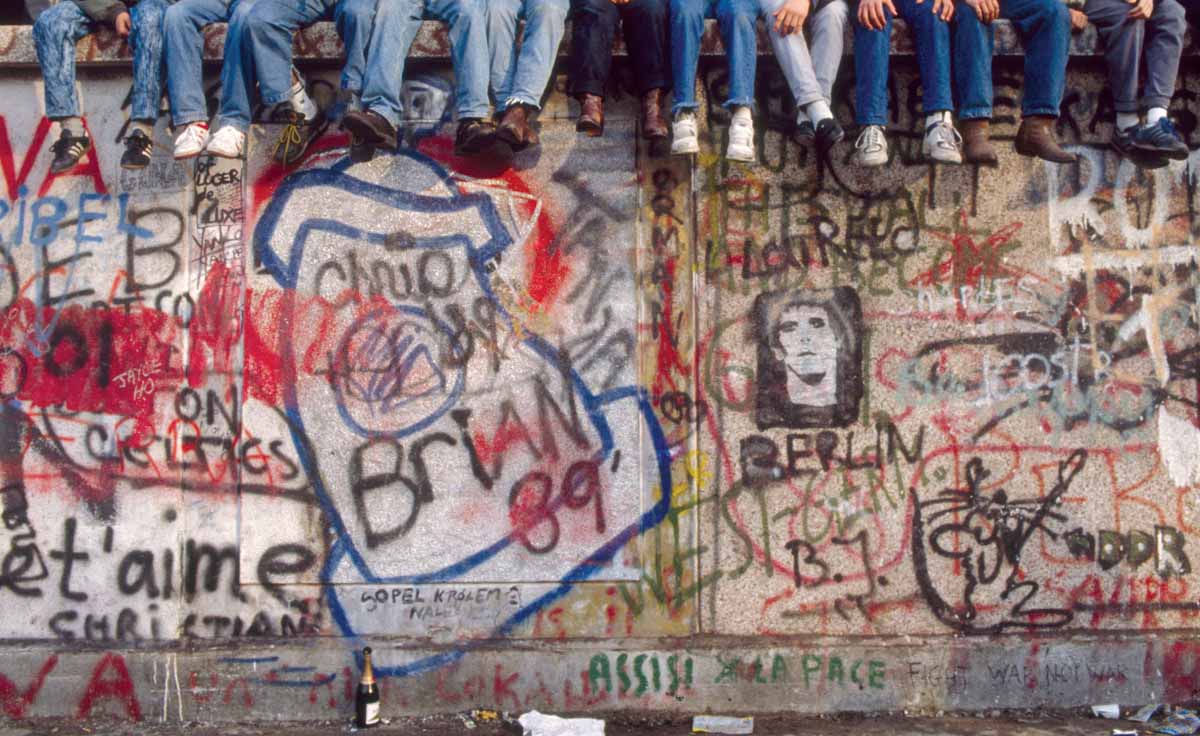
(540, 724)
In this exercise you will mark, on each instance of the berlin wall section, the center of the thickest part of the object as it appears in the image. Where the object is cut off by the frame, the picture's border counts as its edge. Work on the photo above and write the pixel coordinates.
(598, 431)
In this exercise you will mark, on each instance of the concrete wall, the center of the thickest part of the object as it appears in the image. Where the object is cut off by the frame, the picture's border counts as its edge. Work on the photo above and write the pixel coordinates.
(526, 431)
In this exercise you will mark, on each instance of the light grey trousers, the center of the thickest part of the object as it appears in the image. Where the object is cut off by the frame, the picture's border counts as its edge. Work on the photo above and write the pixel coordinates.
(810, 65)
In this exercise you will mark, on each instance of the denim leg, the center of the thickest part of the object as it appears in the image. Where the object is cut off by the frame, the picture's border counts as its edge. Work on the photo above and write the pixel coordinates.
(269, 28)
(146, 40)
(932, 35)
(871, 52)
(54, 36)
(593, 27)
(545, 24)
(354, 20)
(467, 20)
(827, 43)
(791, 51)
(1045, 27)
(687, 28)
(396, 25)
(502, 18)
(183, 33)
(1122, 38)
(973, 42)
(238, 71)
(738, 21)
(1164, 45)
(648, 37)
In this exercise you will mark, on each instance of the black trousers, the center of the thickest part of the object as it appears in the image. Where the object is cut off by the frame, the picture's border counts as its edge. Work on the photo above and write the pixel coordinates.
(647, 36)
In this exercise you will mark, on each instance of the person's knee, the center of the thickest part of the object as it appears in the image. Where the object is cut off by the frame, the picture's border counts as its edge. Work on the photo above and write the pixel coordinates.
(149, 13)
(546, 11)
(687, 11)
(465, 12)
(924, 18)
(1054, 13)
(51, 22)
(503, 11)
(594, 9)
(243, 14)
(834, 15)
(647, 10)
(735, 13)
(1060, 16)
(966, 21)
(261, 21)
(1172, 17)
(360, 13)
(176, 17)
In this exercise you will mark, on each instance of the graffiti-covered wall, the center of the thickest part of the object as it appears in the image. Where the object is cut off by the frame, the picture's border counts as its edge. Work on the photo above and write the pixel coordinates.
(598, 430)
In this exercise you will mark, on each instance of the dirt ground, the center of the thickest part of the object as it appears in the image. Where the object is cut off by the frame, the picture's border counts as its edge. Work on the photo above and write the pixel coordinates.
(624, 724)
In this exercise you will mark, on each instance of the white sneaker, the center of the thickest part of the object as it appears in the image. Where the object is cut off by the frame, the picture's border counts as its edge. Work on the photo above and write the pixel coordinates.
(191, 141)
(228, 142)
(871, 147)
(741, 140)
(942, 144)
(683, 134)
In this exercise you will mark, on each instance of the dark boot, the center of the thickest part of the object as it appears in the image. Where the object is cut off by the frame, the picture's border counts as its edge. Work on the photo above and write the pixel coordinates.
(370, 128)
(477, 137)
(591, 115)
(1035, 138)
(515, 128)
(654, 125)
(977, 142)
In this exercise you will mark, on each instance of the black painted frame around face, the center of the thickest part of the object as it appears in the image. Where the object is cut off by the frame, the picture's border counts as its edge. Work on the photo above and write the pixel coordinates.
(774, 407)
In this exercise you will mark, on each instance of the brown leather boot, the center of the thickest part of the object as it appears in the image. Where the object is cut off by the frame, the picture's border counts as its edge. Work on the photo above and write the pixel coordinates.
(515, 128)
(591, 115)
(977, 143)
(654, 125)
(1035, 138)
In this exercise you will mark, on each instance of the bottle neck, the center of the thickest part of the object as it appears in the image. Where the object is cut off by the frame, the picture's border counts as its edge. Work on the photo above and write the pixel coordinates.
(368, 675)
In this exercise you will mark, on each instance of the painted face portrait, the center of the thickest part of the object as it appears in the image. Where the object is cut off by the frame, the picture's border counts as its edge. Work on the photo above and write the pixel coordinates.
(809, 358)
(807, 345)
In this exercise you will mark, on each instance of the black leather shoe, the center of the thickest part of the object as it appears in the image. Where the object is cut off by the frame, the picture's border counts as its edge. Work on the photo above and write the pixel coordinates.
(828, 134)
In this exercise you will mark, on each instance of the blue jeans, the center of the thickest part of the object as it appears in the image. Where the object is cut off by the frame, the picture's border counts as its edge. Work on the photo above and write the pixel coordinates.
(260, 39)
(397, 23)
(522, 77)
(737, 19)
(1045, 28)
(183, 27)
(61, 25)
(871, 49)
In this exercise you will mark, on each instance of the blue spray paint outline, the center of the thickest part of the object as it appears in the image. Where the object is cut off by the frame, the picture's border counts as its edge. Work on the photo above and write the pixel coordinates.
(452, 396)
(286, 274)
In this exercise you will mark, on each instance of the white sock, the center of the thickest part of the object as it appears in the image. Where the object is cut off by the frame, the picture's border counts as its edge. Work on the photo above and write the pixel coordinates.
(301, 102)
(145, 126)
(1154, 114)
(741, 115)
(685, 115)
(818, 111)
(941, 116)
(73, 125)
(1127, 120)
